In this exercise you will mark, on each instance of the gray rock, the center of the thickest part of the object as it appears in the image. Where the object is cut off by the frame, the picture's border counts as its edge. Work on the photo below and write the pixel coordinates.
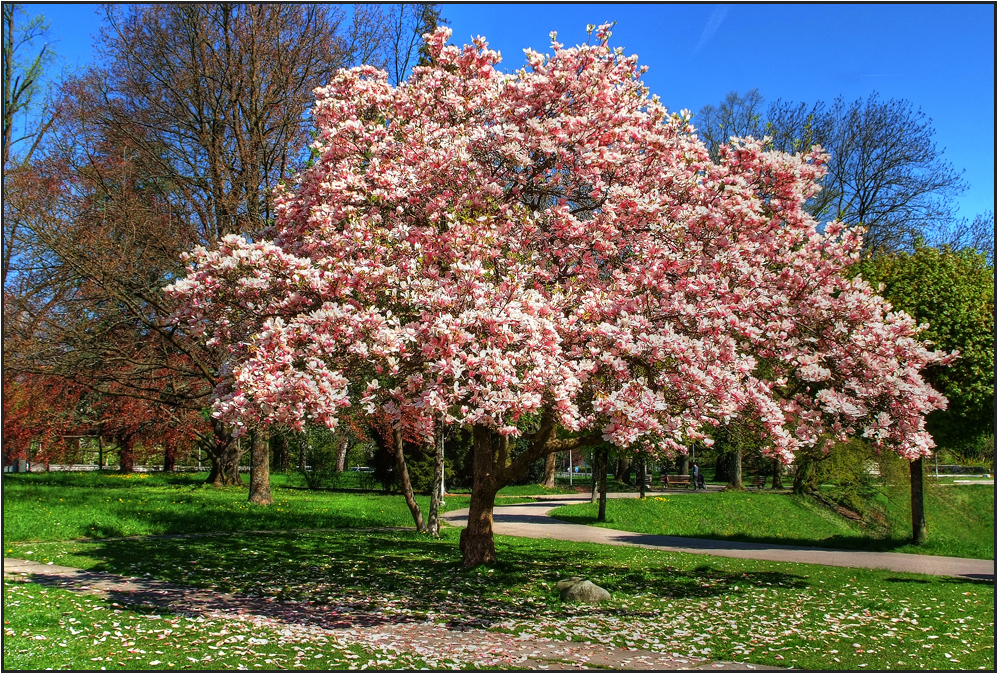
(581, 591)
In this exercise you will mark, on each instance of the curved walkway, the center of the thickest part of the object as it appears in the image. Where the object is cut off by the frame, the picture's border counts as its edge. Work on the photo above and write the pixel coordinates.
(531, 520)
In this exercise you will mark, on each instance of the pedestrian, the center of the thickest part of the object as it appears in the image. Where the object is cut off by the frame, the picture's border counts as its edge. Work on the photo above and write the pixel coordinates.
(696, 476)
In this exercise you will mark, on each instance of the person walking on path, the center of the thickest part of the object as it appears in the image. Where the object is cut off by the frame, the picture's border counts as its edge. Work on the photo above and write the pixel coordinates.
(696, 476)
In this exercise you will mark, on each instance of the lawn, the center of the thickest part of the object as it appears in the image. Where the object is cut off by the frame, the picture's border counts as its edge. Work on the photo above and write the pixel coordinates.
(785, 614)
(960, 520)
(65, 506)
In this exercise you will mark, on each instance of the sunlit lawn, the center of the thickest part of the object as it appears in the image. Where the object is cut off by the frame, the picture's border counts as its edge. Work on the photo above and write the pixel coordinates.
(749, 611)
(64, 506)
(764, 612)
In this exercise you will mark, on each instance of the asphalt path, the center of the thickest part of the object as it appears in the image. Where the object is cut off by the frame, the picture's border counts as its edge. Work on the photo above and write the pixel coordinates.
(531, 520)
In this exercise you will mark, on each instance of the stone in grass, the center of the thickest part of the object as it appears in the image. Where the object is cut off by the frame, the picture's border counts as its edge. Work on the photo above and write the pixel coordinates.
(581, 591)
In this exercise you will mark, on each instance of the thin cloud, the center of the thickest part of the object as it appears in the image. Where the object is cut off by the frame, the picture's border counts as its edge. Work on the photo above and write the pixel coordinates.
(715, 21)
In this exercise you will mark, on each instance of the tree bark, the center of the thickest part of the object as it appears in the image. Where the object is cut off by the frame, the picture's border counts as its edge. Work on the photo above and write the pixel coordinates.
(126, 456)
(302, 449)
(594, 464)
(169, 458)
(684, 464)
(259, 491)
(777, 474)
(623, 468)
(436, 491)
(642, 471)
(477, 544)
(228, 464)
(341, 457)
(282, 457)
(735, 481)
(604, 461)
(224, 454)
(919, 532)
(549, 471)
(410, 500)
(100, 452)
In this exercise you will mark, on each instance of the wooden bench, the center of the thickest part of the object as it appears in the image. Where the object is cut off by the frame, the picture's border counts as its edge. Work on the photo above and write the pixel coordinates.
(758, 482)
(676, 481)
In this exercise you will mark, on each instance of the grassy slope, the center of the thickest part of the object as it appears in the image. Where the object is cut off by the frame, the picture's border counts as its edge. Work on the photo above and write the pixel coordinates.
(773, 613)
(961, 520)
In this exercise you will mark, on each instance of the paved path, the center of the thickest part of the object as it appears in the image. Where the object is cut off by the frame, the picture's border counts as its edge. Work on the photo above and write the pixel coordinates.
(472, 648)
(531, 520)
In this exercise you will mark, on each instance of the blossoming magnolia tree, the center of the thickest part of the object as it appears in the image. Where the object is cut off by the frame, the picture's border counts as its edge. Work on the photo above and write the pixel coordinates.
(549, 255)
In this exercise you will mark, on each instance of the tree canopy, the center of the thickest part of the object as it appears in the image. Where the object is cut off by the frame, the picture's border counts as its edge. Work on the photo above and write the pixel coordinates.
(953, 292)
(549, 252)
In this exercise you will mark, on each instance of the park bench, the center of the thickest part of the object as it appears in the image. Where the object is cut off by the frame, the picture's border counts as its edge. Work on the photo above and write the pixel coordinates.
(758, 482)
(676, 480)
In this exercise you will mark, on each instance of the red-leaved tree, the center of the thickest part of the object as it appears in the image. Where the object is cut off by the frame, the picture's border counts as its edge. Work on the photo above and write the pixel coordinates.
(552, 259)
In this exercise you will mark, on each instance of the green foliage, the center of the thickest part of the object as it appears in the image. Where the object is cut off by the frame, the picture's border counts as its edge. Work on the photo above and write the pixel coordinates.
(322, 454)
(420, 463)
(847, 469)
(954, 293)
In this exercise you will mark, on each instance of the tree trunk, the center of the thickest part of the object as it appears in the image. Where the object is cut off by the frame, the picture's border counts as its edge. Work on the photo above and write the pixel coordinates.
(410, 500)
(302, 450)
(642, 470)
(735, 479)
(228, 473)
(169, 458)
(224, 455)
(594, 463)
(341, 457)
(259, 491)
(100, 452)
(477, 544)
(126, 456)
(623, 468)
(777, 474)
(282, 457)
(549, 470)
(684, 464)
(919, 533)
(603, 465)
(802, 475)
(436, 491)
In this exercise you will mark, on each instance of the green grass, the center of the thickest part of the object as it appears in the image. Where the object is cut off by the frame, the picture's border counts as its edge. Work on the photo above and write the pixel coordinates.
(65, 506)
(84, 632)
(960, 520)
(784, 614)
(523, 490)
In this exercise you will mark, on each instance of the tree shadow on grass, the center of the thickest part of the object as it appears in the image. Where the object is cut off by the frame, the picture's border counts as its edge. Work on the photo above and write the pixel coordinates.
(851, 543)
(975, 578)
(343, 579)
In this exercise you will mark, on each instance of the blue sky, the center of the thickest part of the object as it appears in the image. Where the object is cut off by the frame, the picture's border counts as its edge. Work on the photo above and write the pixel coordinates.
(941, 57)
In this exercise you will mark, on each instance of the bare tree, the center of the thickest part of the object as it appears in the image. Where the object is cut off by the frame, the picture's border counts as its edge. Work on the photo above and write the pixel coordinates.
(735, 116)
(406, 24)
(977, 234)
(178, 137)
(885, 172)
(23, 72)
